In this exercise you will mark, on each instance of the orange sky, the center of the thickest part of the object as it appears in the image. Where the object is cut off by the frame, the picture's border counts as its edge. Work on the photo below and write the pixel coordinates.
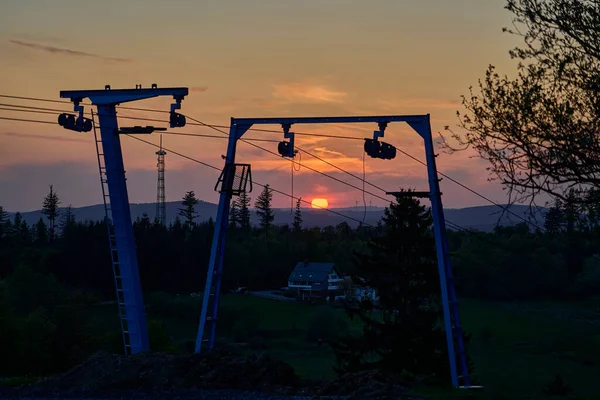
(264, 58)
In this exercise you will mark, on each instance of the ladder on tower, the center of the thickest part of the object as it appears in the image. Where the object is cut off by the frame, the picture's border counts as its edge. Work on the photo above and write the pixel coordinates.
(457, 332)
(233, 182)
(212, 310)
(114, 253)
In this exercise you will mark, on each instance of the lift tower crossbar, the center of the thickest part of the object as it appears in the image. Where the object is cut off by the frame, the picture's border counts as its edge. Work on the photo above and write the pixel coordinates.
(116, 201)
(421, 124)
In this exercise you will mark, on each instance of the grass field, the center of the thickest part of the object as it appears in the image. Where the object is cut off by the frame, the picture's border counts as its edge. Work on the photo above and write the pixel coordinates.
(517, 348)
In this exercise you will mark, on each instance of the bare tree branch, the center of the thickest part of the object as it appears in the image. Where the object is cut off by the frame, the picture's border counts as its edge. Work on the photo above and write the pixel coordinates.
(540, 130)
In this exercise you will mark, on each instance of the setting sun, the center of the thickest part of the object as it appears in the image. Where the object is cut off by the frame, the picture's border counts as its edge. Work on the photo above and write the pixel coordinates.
(319, 203)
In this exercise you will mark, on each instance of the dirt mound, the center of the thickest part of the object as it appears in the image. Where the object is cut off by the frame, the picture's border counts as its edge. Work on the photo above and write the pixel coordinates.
(159, 372)
(366, 385)
(155, 374)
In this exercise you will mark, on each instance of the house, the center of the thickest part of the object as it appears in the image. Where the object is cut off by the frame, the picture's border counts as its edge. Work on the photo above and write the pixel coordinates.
(315, 280)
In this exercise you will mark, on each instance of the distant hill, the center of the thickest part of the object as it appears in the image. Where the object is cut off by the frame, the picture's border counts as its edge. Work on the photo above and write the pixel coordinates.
(481, 218)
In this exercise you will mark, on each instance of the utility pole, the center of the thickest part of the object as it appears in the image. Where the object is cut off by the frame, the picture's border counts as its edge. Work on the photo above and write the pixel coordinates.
(161, 209)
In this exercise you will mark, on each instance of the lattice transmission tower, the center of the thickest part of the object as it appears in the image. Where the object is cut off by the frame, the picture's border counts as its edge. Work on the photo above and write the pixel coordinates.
(161, 207)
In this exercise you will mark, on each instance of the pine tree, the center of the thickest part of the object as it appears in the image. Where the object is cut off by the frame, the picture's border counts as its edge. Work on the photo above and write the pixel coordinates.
(51, 211)
(592, 209)
(401, 267)
(264, 210)
(554, 218)
(297, 226)
(244, 212)
(40, 232)
(3, 221)
(20, 230)
(234, 215)
(68, 218)
(188, 213)
(67, 223)
(572, 210)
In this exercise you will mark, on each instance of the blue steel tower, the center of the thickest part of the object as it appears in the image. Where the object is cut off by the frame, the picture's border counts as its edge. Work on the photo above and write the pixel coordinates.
(233, 181)
(114, 190)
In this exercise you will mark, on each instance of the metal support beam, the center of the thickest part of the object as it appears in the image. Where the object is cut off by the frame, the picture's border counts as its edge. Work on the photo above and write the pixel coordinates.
(421, 124)
(212, 287)
(449, 302)
(123, 230)
(118, 217)
(329, 120)
(117, 96)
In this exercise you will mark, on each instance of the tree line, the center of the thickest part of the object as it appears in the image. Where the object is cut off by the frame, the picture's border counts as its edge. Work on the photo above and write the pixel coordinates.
(50, 277)
(515, 262)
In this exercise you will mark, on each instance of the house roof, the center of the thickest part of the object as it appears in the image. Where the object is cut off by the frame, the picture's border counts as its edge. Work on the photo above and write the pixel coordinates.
(311, 271)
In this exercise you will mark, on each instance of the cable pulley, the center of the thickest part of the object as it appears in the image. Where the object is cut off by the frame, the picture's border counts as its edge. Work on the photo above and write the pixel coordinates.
(176, 120)
(75, 123)
(286, 149)
(376, 149)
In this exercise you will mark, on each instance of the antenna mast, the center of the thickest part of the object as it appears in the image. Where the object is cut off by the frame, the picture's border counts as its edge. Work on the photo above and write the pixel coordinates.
(161, 208)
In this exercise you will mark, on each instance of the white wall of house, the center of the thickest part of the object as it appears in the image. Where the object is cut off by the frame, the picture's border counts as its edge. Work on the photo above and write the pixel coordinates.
(334, 281)
(361, 292)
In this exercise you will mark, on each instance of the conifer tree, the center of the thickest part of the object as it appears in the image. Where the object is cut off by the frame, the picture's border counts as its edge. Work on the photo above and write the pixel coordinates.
(264, 209)
(554, 218)
(188, 212)
(67, 223)
(401, 326)
(3, 221)
(234, 214)
(68, 218)
(244, 211)
(51, 211)
(41, 232)
(298, 217)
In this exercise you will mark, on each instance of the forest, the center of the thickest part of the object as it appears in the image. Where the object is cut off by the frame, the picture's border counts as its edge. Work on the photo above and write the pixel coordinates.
(53, 272)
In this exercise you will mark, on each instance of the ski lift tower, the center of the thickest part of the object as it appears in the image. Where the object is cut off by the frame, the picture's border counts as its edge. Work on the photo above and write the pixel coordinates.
(233, 181)
(114, 190)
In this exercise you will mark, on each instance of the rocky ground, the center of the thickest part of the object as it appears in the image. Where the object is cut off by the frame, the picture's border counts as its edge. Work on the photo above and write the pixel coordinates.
(217, 375)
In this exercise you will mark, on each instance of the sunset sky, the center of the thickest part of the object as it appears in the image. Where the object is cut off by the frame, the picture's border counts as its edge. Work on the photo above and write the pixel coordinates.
(240, 58)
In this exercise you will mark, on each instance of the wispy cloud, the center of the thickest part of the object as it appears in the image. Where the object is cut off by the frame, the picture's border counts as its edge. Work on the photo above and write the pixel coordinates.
(33, 37)
(308, 92)
(198, 89)
(325, 150)
(398, 105)
(63, 51)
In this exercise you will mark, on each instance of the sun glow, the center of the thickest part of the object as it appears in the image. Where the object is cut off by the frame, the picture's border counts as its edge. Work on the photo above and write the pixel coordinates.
(319, 203)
